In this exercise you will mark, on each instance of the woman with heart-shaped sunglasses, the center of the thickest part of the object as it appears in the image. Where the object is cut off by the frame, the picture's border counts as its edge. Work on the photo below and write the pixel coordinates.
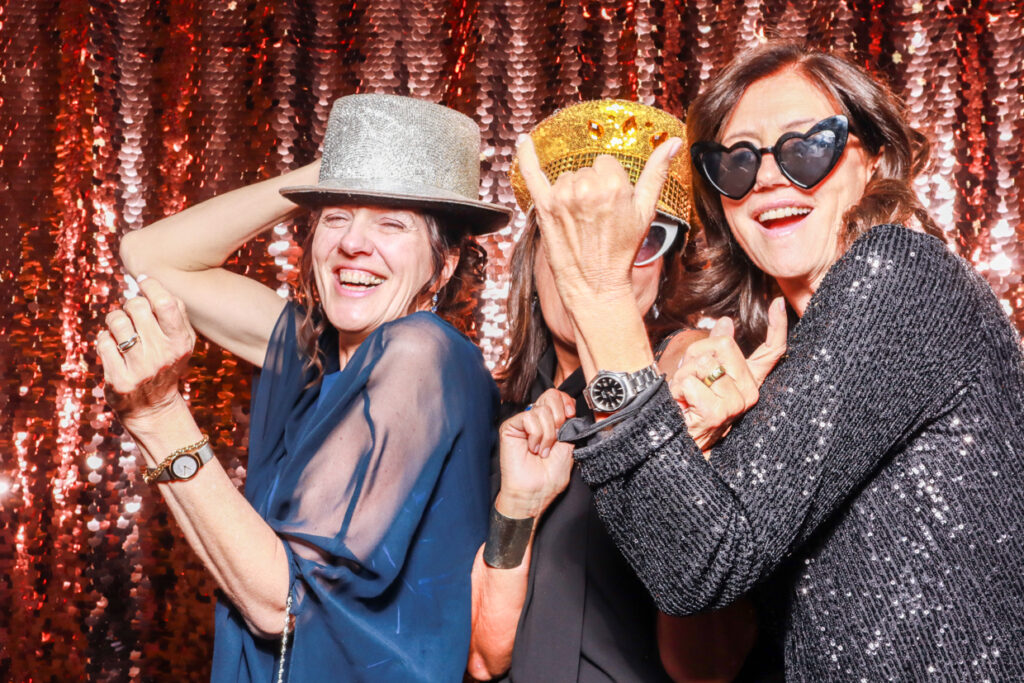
(872, 500)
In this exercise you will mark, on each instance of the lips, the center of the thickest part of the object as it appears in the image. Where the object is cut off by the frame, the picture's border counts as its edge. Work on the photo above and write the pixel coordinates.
(781, 215)
(357, 280)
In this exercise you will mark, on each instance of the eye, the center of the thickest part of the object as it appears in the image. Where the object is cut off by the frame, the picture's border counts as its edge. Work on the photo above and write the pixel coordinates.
(335, 218)
(394, 224)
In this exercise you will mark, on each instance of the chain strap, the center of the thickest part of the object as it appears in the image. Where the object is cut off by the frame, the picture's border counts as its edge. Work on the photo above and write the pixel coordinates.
(151, 473)
(284, 636)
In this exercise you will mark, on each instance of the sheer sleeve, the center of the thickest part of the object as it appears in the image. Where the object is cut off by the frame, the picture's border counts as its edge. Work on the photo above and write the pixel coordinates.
(377, 483)
(888, 340)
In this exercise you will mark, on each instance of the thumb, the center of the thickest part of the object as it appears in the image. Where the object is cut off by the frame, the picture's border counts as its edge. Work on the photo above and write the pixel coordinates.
(652, 178)
(765, 356)
(723, 328)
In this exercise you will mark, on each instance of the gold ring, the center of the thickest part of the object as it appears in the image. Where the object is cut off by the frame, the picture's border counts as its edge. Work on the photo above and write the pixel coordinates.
(714, 376)
(128, 343)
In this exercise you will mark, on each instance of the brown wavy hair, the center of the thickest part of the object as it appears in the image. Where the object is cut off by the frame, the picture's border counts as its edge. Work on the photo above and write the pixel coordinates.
(457, 301)
(529, 336)
(729, 283)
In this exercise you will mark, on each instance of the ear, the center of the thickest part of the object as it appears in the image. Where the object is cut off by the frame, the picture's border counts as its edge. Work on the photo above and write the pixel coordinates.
(451, 261)
(874, 162)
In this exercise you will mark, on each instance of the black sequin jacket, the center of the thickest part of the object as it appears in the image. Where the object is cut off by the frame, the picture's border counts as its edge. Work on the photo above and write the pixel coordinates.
(873, 499)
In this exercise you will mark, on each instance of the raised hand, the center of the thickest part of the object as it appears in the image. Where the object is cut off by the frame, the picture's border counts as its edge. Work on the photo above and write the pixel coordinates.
(711, 405)
(145, 351)
(535, 466)
(592, 221)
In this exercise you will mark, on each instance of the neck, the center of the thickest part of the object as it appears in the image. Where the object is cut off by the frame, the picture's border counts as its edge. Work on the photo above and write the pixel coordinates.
(567, 361)
(798, 292)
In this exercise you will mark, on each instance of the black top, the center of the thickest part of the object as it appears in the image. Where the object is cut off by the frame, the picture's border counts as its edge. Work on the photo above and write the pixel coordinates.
(586, 616)
(875, 493)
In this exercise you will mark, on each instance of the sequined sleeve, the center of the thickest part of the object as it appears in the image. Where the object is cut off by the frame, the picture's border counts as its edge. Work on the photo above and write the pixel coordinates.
(891, 339)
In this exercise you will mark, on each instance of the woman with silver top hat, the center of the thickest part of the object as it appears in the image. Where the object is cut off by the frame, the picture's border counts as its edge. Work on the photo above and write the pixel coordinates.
(553, 599)
(871, 501)
(348, 558)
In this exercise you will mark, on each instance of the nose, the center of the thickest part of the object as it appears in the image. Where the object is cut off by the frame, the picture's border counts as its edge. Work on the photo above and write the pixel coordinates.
(768, 174)
(356, 238)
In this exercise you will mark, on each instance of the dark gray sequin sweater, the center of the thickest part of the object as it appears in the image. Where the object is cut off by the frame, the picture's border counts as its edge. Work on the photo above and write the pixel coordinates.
(872, 499)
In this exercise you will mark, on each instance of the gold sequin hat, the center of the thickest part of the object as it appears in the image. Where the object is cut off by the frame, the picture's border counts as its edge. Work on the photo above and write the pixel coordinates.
(571, 138)
(400, 151)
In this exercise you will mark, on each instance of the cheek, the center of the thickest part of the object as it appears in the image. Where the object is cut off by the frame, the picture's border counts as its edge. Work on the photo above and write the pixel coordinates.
(645, 285)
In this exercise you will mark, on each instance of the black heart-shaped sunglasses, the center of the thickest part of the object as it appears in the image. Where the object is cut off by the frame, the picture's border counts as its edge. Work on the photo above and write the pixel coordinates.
(804, 158)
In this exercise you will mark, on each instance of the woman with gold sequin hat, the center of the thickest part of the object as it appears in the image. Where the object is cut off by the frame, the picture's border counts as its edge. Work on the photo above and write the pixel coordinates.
(348, 557)
(554, 600)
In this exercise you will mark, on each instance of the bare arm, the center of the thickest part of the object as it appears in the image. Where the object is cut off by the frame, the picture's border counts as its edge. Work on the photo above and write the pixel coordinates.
(243, 553)
(534, 470)
(186, 252)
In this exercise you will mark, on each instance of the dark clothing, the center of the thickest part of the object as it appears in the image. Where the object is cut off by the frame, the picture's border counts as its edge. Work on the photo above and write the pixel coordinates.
(374, 480)
(586, 616)
(874, 496)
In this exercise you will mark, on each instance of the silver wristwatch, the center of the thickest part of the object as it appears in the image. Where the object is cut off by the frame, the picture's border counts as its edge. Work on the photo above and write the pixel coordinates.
(612, 391)
(186, 465)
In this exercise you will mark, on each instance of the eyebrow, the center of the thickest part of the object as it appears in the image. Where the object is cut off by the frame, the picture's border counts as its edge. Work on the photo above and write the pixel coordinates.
(791, 126)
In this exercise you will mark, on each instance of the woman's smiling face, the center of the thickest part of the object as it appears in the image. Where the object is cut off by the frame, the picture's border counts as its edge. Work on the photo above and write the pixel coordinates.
(371, 265)
(790, 233)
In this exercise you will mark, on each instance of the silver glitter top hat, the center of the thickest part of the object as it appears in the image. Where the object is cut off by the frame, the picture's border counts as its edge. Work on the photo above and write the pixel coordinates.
(400, 151)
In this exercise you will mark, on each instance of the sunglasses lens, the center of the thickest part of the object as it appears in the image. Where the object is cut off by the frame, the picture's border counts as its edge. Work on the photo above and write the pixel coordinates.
(659, 239)
(808, 160)
(732, 172)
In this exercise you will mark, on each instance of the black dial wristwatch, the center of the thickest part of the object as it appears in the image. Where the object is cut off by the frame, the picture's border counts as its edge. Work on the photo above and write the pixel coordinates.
(184, 466)
(612, 391)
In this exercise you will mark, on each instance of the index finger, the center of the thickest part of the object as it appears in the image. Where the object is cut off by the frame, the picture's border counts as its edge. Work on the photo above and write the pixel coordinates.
(533, 175)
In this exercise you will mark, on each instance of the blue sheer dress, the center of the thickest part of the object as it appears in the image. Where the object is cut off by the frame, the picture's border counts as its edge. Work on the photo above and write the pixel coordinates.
(376, 479)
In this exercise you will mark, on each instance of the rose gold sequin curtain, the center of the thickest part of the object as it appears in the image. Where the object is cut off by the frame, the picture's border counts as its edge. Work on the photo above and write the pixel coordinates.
(115, 113)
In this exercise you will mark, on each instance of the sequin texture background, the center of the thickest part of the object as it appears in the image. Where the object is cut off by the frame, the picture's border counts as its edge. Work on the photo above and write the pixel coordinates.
(115, 113)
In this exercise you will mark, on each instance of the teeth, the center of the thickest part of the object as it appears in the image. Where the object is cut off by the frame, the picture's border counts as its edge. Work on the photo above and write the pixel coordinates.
(358, 277)
(783, 212)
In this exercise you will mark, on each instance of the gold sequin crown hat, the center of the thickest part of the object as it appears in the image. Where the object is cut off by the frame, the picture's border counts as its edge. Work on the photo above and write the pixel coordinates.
(400, 151)
(571, 138)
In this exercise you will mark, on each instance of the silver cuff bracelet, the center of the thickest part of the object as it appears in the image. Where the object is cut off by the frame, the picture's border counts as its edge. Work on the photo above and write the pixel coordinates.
(507, 539)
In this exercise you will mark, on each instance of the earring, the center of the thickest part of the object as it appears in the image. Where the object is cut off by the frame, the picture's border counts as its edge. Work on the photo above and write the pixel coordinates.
(433, 302)
(655, 312)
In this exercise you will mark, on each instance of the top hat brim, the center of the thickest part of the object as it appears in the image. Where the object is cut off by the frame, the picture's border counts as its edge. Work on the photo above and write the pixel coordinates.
(477, 217)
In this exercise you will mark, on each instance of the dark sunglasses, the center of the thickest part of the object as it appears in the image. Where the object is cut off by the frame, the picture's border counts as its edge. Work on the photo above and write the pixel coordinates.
(804, 158)
(662, 234)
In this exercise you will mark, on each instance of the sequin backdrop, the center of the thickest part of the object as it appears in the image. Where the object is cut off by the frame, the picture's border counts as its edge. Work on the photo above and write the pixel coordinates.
(113, 114)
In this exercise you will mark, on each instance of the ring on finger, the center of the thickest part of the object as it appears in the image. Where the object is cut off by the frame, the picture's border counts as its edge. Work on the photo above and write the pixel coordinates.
(128, 343)
(713, 376)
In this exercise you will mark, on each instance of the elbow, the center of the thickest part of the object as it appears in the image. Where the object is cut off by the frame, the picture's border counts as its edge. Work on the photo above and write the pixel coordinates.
(265, 621)
(484, 668)
(132, 253)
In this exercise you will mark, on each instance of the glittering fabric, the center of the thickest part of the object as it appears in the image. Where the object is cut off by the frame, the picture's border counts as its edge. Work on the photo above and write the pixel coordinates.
(114, 114)
(873, 497)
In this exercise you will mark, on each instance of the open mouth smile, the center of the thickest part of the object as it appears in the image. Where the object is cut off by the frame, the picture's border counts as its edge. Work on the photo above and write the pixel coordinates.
(781, 216)
(357, 280)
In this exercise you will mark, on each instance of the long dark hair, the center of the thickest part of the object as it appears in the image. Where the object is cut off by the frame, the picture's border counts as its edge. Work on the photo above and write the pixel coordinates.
(529, 336)
(457, 301)
(730, 284)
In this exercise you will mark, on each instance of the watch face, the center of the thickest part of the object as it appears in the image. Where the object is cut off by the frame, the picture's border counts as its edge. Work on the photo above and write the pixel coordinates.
(185, 466)
(608, 393)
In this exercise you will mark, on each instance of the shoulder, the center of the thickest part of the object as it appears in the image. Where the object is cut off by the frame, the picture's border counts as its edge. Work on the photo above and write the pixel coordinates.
(893, 265)
(423, 341)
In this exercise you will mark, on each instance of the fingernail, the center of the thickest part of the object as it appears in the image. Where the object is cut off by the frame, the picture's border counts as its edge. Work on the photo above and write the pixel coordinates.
(523, 137)
(142, 277)
(675, 148)
(545, 453)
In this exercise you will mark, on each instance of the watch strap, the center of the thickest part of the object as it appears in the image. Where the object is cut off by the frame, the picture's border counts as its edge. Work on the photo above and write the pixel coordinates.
(635, 383)
(204, 453)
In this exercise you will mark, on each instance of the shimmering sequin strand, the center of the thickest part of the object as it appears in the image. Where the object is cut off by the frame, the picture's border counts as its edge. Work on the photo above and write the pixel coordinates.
(113, 114)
